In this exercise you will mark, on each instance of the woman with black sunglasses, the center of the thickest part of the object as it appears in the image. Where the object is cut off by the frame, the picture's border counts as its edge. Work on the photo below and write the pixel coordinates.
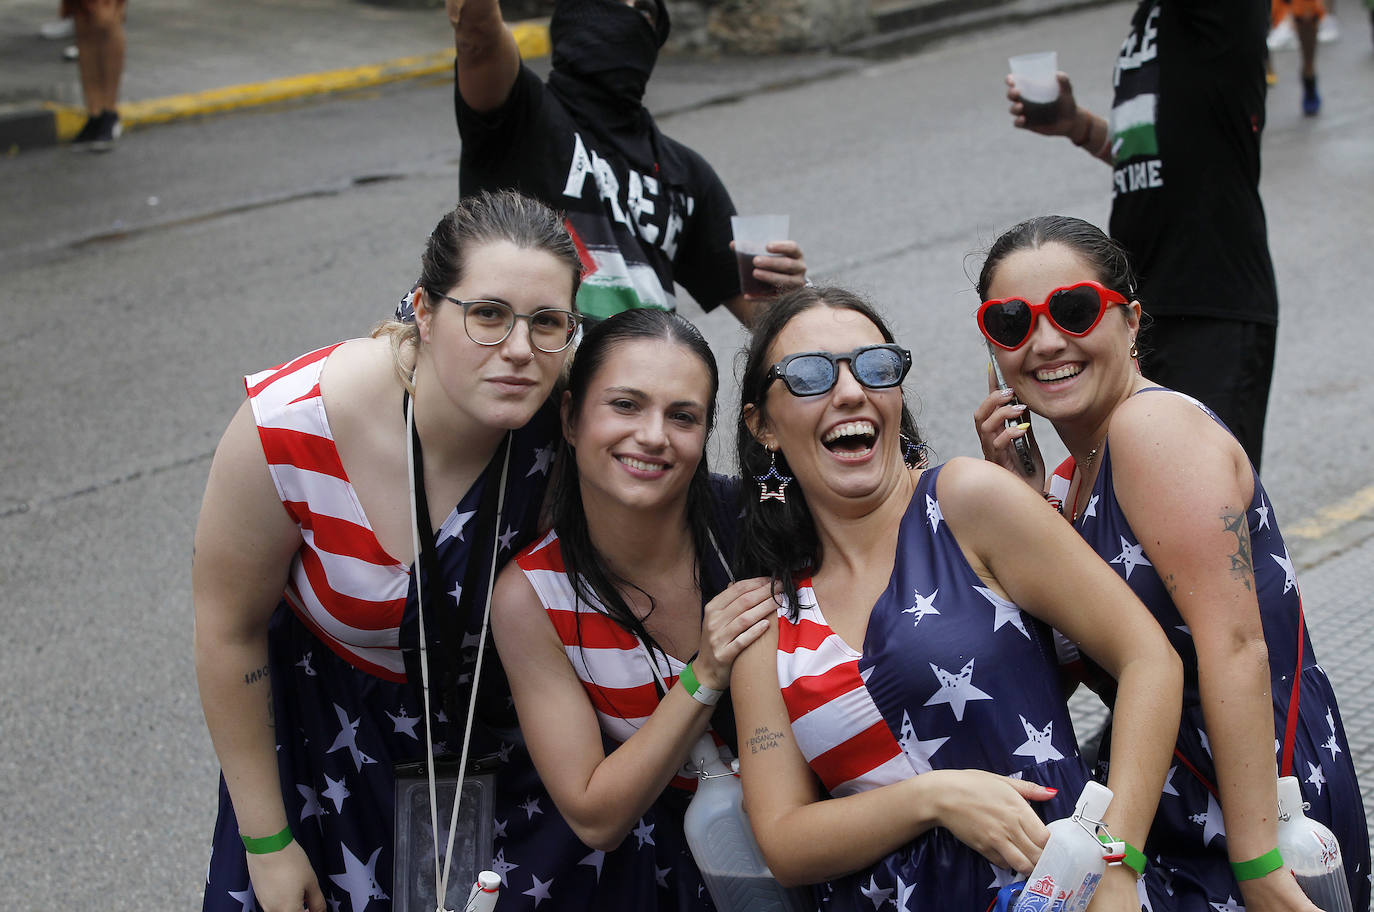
(1160, 489)
(902, 732)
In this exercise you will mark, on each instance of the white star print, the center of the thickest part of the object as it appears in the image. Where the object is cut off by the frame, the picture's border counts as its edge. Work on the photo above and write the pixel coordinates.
(1169, 782)
(453, 526)
(1005, 612)
(499, 829)
(348, 737)
(918, 752)
(457, 593)
(1289, 579)
(1143, 895)
(1330, 743)
(1131, 556)
(502, 867)
(1262, 511)
(955, 689)
(1210, 821)
(1038, 745)
(404, 723)
(531, 807)
(1229, 906)
(873, 894)
(336, 792)
(504, 751)
(506, 538)
(543, 458)
(250, 902)
(540, 890)
(311, 808)
(471, 641)
(1206, 742)
(334, 903)
(904, 891)
(1316, 776)
(644, 833)
(1091, 508)
(924, 605)
(596, 860)
(661, 875)
(1166, 874)
(359, 880)
(305, 663)
(933, 512)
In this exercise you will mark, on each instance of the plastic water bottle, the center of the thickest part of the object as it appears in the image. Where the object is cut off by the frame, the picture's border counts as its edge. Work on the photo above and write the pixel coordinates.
(1074, 859)
(482, 897)
(723, 845)
(1311, 850)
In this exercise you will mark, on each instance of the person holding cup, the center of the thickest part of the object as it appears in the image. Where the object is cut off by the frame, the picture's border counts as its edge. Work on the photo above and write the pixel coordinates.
(646, 211)
(1183, 140)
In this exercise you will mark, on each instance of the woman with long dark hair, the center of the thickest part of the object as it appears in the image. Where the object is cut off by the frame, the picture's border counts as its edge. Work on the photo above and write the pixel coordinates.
(618, 629)
(1162, 491)
(905, 735)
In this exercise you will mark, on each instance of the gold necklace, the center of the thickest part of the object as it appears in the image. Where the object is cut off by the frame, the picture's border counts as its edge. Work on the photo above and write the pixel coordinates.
(1082, 477)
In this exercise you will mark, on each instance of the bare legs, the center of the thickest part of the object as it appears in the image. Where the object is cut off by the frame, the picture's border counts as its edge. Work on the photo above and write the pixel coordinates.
(100, 42)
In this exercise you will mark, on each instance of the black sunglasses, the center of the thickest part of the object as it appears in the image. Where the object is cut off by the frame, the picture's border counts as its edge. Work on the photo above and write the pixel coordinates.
(812, 373)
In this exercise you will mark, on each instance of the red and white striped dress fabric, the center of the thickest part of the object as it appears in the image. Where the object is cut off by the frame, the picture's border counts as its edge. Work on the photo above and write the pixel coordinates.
(609, 660)
(343, 586)
(836, 724)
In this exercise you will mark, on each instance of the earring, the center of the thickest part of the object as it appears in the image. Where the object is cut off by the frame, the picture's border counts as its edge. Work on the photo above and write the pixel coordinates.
(1134, 352)
(913, 453)
(780, 495)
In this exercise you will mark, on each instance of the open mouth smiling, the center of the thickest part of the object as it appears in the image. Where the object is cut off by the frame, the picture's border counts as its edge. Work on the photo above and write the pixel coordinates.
(853, 438)
(1063, 372)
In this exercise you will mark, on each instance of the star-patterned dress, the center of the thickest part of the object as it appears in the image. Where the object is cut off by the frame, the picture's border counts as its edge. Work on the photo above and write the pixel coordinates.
(653, 868)
(345, 712)
(951, 676)
(1189, 869)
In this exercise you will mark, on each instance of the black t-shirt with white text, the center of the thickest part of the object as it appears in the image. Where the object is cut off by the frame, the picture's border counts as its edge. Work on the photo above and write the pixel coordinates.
(638, 224)
(1186, 120)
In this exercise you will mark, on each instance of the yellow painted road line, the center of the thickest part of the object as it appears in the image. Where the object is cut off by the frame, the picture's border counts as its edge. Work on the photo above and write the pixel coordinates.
(1329, 519)
(531, 37)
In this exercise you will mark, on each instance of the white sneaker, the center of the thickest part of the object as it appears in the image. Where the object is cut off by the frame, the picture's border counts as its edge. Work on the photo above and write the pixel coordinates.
(1282, 37)
(1328, 29)
(57, 30)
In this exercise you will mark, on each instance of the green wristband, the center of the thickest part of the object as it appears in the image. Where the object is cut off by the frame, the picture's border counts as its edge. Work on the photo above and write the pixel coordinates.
(698, 691)
(267, 844)
(1257, 867)
(1135, 859)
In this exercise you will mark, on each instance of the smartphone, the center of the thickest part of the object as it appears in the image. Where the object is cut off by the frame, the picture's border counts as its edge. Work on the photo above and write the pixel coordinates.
(1022, 445)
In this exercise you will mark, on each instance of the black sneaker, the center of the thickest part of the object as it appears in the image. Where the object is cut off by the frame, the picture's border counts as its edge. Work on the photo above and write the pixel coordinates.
(107, 130)
(88, 130)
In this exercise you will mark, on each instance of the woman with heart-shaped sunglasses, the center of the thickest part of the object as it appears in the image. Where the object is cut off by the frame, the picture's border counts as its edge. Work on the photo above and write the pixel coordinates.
(1163, 492)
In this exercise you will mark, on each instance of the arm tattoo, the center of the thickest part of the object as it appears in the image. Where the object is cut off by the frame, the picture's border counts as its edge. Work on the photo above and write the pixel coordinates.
(1171, 584)
(764, 739)
(257, 674)
(1242, 566)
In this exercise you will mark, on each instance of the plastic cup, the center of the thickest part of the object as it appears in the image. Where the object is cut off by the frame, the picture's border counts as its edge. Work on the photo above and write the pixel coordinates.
(1036, 78)
(753, 234)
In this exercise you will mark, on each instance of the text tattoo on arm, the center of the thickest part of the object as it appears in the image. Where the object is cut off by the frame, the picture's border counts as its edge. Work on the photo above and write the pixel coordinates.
(764, 739)
(1242, 565)
(257, 674)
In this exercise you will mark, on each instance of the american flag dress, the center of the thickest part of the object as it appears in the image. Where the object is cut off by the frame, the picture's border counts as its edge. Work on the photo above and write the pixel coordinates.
(1188, 868)
(344, 709)
(951, 676)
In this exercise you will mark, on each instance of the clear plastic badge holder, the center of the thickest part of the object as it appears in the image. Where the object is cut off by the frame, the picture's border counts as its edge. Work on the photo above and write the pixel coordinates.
(413, 879)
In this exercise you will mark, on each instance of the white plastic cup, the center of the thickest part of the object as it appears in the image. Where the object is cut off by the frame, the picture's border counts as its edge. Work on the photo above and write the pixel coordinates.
(1036, 77)
(753, 234)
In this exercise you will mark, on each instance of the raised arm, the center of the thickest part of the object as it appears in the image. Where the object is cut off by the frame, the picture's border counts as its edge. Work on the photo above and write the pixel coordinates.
(244, 545)
(1042, 565)
(1185, 487)
(1083, 128)
(488, 57)
(783, 267)
(806, 839)
(602, 796)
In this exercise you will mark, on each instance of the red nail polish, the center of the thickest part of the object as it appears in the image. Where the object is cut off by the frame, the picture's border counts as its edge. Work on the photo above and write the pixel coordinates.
(1052, 791)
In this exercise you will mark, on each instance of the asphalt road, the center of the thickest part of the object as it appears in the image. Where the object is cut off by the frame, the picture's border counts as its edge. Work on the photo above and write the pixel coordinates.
(139, 286)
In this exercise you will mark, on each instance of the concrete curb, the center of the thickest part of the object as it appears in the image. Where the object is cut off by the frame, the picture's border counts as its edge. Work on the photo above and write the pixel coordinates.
(46, 123)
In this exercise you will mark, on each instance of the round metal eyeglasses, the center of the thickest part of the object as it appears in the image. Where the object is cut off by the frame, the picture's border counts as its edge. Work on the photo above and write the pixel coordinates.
(491, 322)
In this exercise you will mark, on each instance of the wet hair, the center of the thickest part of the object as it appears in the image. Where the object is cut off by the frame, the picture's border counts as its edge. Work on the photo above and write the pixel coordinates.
(1106, 257)
(779, 539)
(483, 218)
(592, 580)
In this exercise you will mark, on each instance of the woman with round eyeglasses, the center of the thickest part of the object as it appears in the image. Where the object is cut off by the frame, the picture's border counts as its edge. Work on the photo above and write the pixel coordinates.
(313, 557)
(903, 735)
(1162, 492)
